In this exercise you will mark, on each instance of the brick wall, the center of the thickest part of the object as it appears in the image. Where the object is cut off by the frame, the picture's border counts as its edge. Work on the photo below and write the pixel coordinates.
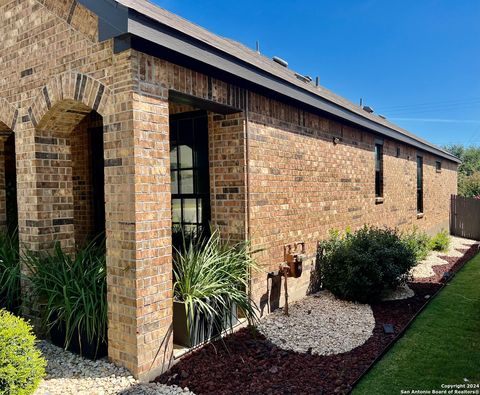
(228, 184)
(302, 185)
(54, 73)
(3, 197)
(287, 177)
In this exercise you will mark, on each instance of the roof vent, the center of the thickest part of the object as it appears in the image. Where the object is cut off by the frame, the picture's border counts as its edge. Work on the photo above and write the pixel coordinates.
(368, 109)
(304, 78)
(382, 116)
(280, 61)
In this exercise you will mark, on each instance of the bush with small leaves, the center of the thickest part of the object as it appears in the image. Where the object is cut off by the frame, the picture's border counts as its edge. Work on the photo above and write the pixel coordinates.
(440, 242)
(21, 363)
(419, 242)
(359, 266)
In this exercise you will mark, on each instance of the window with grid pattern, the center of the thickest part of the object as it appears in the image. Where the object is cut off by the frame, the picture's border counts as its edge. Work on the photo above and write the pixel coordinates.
(378, 170)
(190, 182)
(419, 184)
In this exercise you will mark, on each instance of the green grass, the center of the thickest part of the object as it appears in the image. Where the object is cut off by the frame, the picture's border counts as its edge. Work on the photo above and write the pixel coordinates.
(441, 347)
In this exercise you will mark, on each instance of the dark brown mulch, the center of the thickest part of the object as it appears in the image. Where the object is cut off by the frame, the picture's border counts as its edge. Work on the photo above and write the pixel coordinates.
(250, 364)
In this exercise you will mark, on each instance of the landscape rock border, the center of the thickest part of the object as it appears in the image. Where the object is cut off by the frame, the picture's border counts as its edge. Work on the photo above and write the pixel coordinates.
(70, 374)
(425, 271)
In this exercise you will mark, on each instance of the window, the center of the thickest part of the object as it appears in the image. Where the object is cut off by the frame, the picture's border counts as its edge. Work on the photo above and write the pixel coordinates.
(419, 185)
(190, 184)
(398, 152)
(378, 170)
(438, 166)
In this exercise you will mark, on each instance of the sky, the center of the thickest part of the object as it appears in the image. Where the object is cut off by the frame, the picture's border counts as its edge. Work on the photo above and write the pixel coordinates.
(415, 62)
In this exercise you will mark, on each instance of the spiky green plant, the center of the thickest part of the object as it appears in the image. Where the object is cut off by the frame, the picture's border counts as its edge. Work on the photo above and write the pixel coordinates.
(211, 278)
(10, 272)
(73, 289)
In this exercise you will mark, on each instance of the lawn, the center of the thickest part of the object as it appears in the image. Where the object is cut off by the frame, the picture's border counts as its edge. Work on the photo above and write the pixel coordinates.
(441, 347)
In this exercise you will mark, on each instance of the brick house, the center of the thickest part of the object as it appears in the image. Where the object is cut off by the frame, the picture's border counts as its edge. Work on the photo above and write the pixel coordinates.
(123, 117)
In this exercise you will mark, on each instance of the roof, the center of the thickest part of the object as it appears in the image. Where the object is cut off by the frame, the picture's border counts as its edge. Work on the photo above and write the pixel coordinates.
(148, 21)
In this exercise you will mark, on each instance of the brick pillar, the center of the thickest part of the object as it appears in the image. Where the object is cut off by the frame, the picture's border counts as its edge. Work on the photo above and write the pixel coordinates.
(3, 195)
(137, 185)
(28, 214)
(228, 175)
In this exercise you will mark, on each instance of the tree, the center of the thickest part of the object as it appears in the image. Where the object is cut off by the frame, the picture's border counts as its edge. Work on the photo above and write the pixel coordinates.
(468, 170)
(469, 186)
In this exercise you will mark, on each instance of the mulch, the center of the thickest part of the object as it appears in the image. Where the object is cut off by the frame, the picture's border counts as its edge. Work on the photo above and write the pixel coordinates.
(247, 363)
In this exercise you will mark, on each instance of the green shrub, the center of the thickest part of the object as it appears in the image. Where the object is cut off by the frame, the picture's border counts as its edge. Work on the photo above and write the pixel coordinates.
(359, 266)
(9, 272)
(211, 277)
(440, 242)
(74, 291)
(417, 241)
(21, 363)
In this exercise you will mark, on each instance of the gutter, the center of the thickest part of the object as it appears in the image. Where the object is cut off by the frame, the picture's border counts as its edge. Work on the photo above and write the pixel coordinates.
(132, 30)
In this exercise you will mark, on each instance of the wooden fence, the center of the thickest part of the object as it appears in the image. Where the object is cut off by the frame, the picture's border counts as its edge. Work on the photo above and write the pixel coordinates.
(465, 217)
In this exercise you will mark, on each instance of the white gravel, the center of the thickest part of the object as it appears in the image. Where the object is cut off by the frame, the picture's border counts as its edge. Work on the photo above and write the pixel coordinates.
(320, 324)
(425, 268)
(69, 374)
(401, 292)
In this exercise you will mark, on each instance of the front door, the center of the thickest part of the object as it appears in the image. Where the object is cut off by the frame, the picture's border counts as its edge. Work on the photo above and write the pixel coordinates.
(189, 174)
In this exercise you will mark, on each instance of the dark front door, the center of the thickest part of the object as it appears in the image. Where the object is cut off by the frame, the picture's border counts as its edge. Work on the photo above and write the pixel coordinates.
(189, 174)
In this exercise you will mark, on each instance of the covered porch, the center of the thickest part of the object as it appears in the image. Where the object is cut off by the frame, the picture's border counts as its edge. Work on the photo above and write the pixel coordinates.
(132, 169)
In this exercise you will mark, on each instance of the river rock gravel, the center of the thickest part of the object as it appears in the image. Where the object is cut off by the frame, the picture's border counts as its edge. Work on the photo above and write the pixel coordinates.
(69, 374)
(320, 324)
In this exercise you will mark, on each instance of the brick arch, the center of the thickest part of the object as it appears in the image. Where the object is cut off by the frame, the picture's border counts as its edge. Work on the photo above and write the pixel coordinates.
(71, 93)
(8, 116)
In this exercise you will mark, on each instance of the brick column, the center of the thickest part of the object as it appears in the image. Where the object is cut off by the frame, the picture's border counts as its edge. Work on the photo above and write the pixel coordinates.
(137, 181)
(27, 195)
(228, 175)
(3, 195)
(28, 213)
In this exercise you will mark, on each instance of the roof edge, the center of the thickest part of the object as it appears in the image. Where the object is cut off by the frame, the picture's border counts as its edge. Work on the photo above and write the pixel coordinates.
(117, 21)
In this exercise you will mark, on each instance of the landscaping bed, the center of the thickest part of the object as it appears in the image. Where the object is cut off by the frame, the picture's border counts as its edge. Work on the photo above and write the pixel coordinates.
(432, 268)
(70, 374)
(451, 266)
(248, 363)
